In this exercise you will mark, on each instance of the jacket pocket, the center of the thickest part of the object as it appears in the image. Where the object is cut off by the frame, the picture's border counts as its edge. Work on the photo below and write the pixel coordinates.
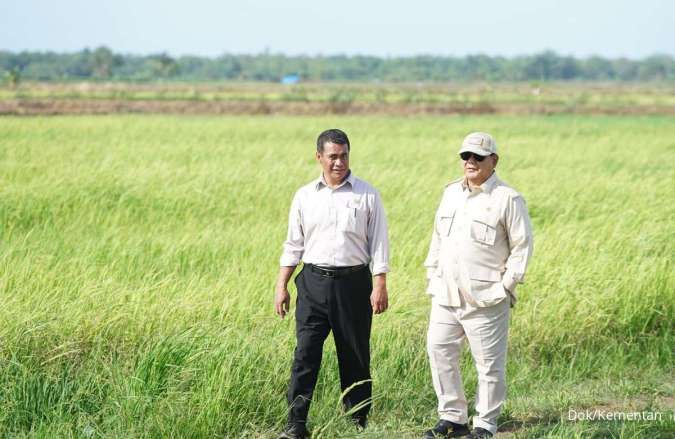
(483, 232)
(486, 284)
(445, 223)
(485, 274)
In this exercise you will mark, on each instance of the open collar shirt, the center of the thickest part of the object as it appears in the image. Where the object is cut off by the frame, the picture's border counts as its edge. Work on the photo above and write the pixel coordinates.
(337, 227)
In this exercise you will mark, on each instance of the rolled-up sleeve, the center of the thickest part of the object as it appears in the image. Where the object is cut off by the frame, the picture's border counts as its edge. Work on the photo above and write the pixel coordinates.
(378, 238)
(519, 230)
(294, 246)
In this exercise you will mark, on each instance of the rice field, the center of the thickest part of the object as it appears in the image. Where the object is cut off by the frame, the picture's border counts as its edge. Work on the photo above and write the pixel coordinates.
(138, 256)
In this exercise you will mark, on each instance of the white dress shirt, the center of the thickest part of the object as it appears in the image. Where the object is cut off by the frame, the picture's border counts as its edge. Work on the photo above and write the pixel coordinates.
(339, 227)
(481, 244)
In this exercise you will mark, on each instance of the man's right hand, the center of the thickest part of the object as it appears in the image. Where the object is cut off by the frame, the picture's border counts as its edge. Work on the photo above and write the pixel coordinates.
(282, 301)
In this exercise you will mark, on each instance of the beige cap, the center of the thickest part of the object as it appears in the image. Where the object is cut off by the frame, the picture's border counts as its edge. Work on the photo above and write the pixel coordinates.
(479, 143)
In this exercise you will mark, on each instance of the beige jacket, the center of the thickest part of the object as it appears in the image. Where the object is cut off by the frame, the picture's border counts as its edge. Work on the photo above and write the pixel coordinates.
(481, 244)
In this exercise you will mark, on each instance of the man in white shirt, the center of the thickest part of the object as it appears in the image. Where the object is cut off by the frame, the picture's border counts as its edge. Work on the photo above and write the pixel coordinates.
(338, 229)
(480, 248)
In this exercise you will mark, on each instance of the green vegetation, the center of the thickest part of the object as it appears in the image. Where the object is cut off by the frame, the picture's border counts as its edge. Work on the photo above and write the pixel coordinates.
(103, 64)
(138, 256)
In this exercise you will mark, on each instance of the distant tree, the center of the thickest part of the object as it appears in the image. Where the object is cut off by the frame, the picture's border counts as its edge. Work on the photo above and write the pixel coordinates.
(164, 66)
(657, 67)
(103, 60)
(102, 63)
(626, 70)
(597, 68)
(541, 66)
(13, 77)
(564, 68)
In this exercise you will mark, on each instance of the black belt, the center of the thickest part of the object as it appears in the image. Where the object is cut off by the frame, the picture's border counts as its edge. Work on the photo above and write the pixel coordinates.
(335, 271)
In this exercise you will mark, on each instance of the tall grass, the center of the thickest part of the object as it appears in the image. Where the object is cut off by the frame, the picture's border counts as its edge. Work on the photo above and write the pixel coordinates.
(138, 257)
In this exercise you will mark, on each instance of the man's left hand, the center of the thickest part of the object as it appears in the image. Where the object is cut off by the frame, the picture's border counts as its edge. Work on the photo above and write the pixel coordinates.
(379, 299)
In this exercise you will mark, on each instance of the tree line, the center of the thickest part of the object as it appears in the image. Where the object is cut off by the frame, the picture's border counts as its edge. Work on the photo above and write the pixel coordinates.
(103, 64)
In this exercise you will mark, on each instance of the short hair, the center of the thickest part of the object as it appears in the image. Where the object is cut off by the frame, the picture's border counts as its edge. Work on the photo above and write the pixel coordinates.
(332, 135)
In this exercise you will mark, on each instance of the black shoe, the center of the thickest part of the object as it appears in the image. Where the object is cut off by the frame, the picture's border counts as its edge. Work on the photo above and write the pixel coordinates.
(294, 430)
(446, 429)
(361, 422)
(479, 433)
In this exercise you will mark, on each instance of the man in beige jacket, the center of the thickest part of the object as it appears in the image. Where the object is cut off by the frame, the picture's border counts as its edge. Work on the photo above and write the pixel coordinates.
(480, 248)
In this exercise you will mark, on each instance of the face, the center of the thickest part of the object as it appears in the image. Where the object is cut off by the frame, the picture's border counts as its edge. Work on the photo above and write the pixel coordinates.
(477, 172)
(334, 162)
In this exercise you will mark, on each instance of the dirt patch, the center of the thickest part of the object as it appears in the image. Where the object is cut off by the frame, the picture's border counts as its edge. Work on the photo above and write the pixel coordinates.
(30, 107)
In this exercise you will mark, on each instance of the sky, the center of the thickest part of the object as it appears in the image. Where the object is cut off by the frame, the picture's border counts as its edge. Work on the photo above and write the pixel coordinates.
(610, 28)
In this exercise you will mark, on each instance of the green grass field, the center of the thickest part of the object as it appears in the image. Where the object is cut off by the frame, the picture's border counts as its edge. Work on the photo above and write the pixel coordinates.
(138, 256)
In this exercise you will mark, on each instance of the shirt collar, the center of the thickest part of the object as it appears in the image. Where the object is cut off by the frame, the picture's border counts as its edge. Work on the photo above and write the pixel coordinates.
(321, 181)
(487, 185)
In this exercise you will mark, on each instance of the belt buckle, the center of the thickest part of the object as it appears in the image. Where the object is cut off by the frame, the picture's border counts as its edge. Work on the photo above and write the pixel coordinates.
(322, 271)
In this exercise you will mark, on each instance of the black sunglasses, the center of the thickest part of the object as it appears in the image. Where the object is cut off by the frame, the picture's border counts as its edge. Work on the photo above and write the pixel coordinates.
(466, 155)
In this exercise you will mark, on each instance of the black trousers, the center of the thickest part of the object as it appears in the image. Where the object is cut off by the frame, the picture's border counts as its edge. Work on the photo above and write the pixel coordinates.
(342, 305)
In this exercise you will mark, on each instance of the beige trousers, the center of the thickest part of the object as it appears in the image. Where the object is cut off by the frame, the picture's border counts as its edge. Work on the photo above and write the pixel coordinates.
(486, 330)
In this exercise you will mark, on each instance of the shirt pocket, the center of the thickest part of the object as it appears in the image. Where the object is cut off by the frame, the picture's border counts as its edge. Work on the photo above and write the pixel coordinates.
(445, 223)
(352, 220)
(483, 232)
